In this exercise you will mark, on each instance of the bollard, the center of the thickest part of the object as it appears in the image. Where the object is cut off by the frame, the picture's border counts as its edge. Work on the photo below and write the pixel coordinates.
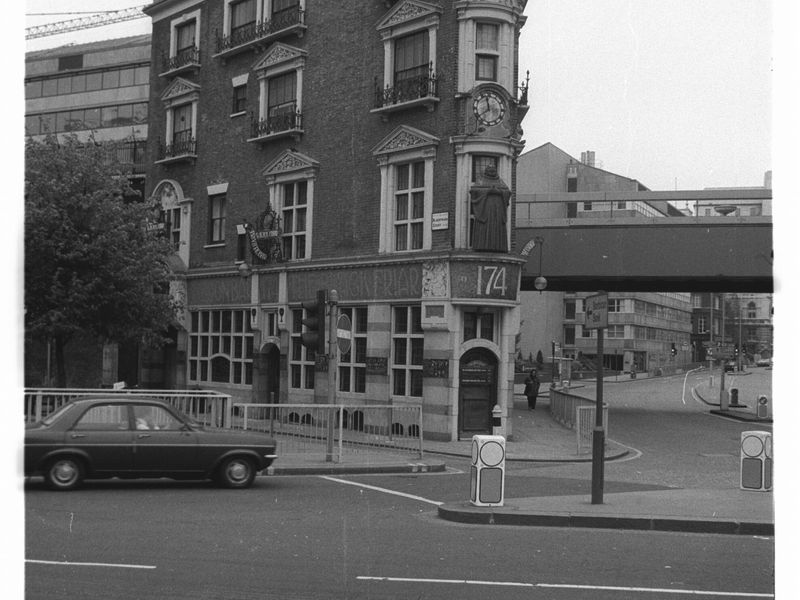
(734, 396)
(497, 420)
(756, 461)
(487, 472)
(762, 407)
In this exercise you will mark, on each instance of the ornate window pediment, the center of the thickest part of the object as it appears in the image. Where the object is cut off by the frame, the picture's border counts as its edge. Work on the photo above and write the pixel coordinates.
(289, 163)
(277, 56)
(404, 138)
(180, 90)
(407, 12)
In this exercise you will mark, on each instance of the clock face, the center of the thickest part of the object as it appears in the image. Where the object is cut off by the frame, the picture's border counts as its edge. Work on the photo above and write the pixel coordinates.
(489, 108)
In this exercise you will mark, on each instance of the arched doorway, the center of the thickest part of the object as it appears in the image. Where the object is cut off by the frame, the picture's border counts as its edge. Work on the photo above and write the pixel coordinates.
(477, 391)
(269, 373)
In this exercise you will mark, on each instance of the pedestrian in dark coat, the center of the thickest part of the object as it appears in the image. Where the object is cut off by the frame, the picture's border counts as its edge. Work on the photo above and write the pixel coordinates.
(532, 389)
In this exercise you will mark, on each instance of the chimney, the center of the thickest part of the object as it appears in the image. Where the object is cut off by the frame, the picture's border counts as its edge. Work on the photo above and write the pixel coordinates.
(768, 180)
(587, 158)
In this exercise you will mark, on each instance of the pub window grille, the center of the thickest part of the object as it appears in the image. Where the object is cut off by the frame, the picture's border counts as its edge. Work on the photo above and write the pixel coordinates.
(301, 359)
(407, 351)
(221, 347)
(353, 364)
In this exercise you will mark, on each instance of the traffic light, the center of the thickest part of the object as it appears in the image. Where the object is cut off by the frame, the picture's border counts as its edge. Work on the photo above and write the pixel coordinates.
(313, 337)
(736, 350)
(673, 350)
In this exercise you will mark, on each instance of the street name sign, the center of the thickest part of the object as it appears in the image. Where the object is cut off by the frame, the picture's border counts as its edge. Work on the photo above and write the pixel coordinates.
(596, 308)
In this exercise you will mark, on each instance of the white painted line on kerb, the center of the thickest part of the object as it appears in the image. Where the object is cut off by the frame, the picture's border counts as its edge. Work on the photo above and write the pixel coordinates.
(599, 588)
(380, 489)
(87, 564)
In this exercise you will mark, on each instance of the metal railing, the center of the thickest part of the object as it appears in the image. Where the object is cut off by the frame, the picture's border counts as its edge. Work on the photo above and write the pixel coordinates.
(183, 144)
(335, 431)
(205, 406)
(183, 58)
(564, 407)
(585, 422)
(258, 30)
(407, 89)
(289, 120)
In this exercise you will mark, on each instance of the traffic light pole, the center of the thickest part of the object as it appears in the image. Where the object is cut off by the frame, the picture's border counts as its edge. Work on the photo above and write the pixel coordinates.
(333, 367)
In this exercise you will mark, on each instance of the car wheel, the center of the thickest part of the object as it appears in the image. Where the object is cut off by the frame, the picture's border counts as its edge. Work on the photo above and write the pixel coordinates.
(65, 473)
(236, 472)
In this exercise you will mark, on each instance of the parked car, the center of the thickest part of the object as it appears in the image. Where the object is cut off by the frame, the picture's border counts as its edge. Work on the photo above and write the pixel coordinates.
(134, 437)
(730, 366)
(764, 362)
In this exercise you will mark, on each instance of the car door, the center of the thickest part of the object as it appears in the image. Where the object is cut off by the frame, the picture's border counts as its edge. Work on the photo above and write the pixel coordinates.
(163, 442)
(103, 432)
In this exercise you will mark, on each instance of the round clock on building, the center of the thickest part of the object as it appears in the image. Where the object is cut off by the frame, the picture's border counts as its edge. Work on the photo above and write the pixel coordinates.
(489, 107)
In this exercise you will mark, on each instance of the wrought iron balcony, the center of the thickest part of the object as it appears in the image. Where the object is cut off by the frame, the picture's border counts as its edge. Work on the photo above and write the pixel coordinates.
(183, 147)
(420, 89)
(290, 20)
(133, 153)
(285, 123)
(188, 58)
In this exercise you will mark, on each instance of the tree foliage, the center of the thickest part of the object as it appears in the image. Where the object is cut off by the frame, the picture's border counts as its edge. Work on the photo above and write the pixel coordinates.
(93, 261)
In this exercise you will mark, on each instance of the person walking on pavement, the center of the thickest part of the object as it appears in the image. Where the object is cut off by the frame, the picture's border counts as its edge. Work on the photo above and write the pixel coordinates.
(532, 389)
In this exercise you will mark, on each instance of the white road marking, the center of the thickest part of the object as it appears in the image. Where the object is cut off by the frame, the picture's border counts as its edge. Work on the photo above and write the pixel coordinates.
(603, 588)
(87, 564)
(380, 489)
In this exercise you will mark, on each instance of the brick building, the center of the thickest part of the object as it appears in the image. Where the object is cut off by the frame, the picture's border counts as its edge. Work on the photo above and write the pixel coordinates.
(363, 146)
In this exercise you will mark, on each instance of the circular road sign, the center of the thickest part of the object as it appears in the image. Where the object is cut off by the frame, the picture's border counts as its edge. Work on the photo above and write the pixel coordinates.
(344, 333)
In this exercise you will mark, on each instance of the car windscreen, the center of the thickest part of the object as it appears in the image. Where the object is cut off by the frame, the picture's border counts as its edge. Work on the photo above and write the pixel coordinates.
(54, 416)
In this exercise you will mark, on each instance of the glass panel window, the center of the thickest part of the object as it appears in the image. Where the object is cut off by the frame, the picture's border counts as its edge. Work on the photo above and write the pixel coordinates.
(94, 81)
(215, 348)
(293, 214)
(243, 14)
(110, 79)
(478, 324)
(487, 45)
(409, 214)
(282, 94)
(301, 359)
(125, 78)
(49, 87)
(185, 35)
(217, 214)
(407, 351)
(239, 99)
(181, 124)
(352, 364)
(411, 57)
(104, 417)
(33, 89)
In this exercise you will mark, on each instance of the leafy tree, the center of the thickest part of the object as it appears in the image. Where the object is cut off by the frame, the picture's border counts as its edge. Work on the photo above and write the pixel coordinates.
(93, 261)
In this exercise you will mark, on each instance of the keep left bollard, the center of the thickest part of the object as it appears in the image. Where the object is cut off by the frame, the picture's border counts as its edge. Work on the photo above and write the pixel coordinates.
(756, 461)
(487, 472)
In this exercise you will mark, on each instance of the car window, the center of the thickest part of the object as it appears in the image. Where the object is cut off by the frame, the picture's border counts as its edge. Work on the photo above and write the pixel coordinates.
(51, 418)
(104, 417)
(154, 418)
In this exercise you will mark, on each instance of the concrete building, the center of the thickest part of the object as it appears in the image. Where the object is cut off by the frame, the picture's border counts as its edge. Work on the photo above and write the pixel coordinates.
(99, 89)
(647, 331)
(301, 146)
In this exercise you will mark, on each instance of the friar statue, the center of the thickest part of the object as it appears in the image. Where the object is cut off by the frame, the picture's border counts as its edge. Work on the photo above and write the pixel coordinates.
(489, 198)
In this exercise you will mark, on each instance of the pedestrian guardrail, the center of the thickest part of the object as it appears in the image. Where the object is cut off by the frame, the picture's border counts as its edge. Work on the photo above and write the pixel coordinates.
(578, 413)
(205, 406)
(585, 423)
(335, 431)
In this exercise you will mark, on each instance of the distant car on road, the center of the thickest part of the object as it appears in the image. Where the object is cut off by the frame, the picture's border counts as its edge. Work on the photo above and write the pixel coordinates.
(764, 362)
(135, 437)
(730, 366)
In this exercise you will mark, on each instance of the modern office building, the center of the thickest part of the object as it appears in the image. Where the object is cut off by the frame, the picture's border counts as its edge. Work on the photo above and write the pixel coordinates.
(646, 331)
(364, 147)
(99, 90)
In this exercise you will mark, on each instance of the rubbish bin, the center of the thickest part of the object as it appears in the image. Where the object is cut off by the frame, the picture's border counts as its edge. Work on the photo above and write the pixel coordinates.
(487, 472)
(734, 396)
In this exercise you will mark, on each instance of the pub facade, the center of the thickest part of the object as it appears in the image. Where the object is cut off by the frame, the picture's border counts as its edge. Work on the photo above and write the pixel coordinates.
(364, 147)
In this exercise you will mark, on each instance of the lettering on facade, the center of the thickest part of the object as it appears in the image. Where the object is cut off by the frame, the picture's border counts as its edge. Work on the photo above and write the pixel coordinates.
(265, 236)
(436, 367)
(476, 375)
(377, 365)
(484, 280)
(378, 283)
(219, 291)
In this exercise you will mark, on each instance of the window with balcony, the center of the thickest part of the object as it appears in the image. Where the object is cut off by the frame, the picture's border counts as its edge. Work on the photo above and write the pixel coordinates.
(280, 79)
(405, 159)
(249, 23)
(409, 37)
(180, 101)
(184, 44)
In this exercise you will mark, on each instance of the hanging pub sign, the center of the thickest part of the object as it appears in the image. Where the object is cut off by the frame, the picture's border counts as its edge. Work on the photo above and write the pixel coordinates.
(265, 237)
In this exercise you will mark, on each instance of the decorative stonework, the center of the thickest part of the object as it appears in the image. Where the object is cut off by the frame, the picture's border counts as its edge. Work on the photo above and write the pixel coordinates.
(434, 279)
(287, 162)
(408, 11)
(404, 138)
(178, 88)
(276, 54)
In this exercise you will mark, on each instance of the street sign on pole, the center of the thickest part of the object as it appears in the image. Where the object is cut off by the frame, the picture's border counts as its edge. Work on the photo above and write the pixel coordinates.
(596, 311)
(344, 333)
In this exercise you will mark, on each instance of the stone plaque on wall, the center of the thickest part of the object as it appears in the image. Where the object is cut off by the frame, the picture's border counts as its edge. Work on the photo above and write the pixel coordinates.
(377, 365)
(435, 367)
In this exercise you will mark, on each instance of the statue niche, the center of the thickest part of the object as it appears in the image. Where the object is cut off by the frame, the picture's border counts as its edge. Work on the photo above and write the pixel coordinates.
(489, 199)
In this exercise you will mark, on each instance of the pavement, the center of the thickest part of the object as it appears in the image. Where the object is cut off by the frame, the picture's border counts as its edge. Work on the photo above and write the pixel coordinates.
(536, 438)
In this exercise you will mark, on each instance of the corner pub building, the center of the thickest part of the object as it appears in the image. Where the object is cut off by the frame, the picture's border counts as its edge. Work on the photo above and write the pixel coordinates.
(362, 146)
